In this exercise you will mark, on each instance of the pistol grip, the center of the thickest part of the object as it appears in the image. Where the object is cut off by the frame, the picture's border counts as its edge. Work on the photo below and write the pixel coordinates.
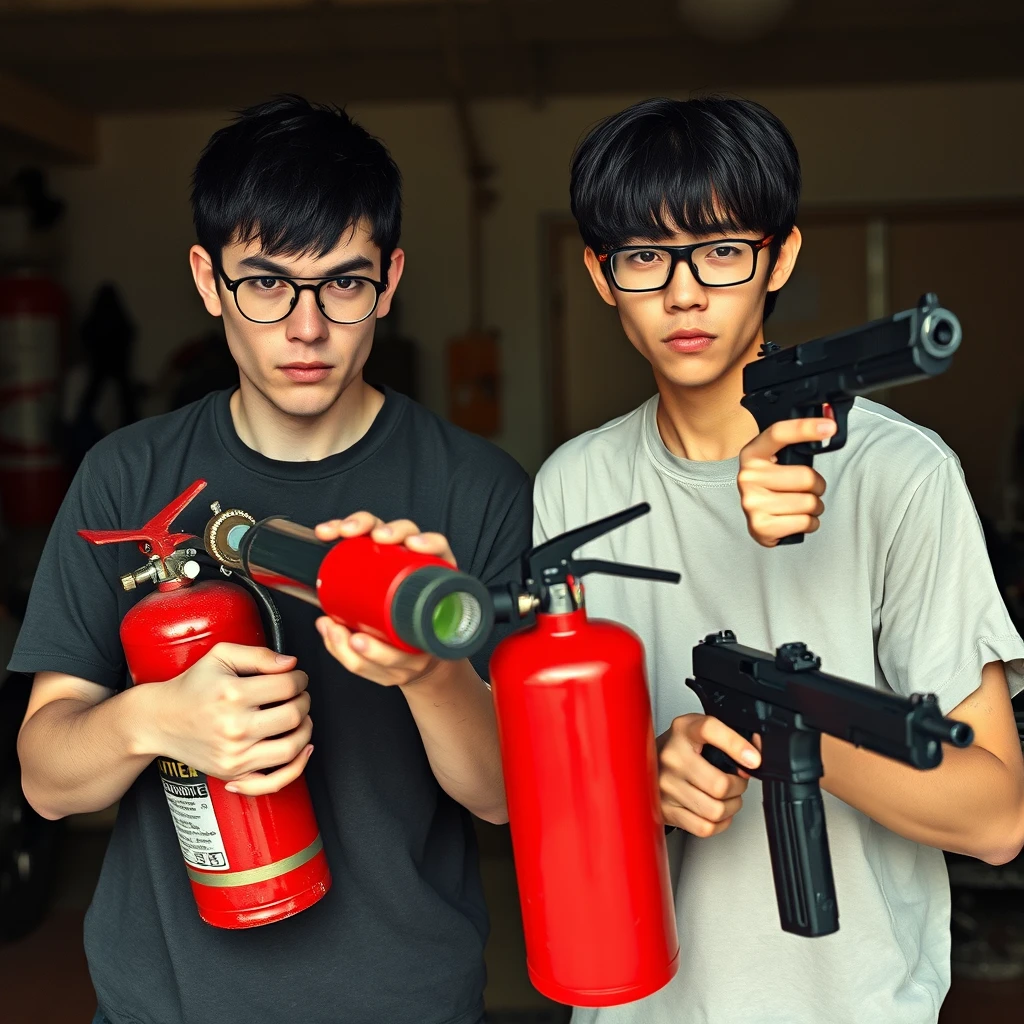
(802, 868)
(794, 455)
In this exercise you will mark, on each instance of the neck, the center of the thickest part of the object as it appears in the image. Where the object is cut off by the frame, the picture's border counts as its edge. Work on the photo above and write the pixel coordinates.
(279, 435)
(707, 423)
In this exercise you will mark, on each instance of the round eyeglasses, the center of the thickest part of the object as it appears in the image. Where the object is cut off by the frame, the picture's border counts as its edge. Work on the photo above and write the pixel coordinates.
(268, 298)
(649, 268)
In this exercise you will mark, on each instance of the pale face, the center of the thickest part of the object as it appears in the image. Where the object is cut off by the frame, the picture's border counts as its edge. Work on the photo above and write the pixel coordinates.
(693, 335)
(300, 365)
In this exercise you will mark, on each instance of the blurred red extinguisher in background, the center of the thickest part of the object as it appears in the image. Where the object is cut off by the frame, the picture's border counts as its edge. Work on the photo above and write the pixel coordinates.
(581, 780)
(33, 317)
(252, 860)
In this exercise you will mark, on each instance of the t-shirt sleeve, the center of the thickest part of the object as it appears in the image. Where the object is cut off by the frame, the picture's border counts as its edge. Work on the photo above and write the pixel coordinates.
(72, 621)
(942, 617)
(499, 561)
(548, 504)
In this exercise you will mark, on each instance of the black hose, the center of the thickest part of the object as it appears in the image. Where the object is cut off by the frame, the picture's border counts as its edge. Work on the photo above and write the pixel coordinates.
(270, 615)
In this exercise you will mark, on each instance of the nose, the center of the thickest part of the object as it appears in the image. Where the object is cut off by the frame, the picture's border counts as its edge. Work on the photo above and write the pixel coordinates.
(305, 322)
(683, 290)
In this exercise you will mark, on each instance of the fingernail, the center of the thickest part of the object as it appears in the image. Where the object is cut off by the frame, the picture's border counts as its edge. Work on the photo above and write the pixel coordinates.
(359, 642)
(282, 659)
(828, 427)
(385, 531)
(231, 789)
(309, 750)
(750, 758)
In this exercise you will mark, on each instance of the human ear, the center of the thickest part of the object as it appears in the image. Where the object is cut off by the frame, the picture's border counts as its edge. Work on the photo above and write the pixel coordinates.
(593, 265)
(394, 276)
(205, 278)
(786, 262)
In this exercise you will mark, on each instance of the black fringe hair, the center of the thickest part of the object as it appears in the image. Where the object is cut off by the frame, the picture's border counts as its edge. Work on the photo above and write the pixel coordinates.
(295, 175)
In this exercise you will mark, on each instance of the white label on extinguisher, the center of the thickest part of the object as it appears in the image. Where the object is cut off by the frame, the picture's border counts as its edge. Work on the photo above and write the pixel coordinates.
(188, 797)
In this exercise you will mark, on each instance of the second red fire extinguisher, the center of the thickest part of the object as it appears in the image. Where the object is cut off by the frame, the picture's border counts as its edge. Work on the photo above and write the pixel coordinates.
(581, 780)
(251, 860)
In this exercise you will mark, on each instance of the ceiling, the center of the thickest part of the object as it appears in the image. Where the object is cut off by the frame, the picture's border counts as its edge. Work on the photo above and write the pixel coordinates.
(122, 55)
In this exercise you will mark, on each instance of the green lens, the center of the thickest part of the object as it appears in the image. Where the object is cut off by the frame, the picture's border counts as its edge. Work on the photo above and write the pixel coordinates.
(447, 617)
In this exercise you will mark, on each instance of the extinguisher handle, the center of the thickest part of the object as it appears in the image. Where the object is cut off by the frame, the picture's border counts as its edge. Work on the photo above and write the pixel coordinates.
(551, 565)
(156, 533)
(633, 572)
(553, 558)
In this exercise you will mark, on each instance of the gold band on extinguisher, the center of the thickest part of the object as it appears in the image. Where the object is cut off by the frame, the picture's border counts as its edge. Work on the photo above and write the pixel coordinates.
(268, 871)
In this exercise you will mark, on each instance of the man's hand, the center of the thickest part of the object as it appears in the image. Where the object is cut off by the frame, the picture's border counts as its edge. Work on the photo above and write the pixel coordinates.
(237, 711)
(365, 655)
(781, 500)
(695, 795)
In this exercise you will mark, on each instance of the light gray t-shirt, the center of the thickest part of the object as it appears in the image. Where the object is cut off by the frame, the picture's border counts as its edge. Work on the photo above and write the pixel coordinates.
(895, 590)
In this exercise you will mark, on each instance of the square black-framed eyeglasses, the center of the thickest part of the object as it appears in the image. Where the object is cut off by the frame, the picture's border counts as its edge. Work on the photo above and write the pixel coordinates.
(712, 266)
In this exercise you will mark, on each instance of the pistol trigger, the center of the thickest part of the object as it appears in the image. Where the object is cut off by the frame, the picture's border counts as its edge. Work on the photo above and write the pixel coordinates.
(828, 413)
(721, 760)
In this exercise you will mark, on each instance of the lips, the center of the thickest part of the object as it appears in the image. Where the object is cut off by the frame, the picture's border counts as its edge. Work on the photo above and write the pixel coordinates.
(306, 373)
(689, 340)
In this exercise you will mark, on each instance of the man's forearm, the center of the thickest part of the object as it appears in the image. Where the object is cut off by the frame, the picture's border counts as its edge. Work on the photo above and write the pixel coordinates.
(454, 712)
(78, 757)
(971, 803)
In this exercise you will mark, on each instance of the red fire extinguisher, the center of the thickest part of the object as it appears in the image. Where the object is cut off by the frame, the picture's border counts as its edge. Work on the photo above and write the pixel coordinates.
(252, 860)
(413, 601)
(32, 324)
(581, 780)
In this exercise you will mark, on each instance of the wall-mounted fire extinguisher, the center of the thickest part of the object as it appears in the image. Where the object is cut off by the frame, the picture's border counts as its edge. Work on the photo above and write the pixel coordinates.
(581, 780)
(415, 602)
(33, 313)
(252, 860)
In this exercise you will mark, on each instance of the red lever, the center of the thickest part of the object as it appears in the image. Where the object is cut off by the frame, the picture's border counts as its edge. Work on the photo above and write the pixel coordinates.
(155, 532)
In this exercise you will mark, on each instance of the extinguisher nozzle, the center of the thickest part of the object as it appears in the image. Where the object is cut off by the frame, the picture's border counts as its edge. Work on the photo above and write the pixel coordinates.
(454, 617)
(443, 611)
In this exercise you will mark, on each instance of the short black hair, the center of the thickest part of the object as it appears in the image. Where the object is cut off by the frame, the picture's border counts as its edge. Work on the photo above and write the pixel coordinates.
(705, 165)
(295, 175)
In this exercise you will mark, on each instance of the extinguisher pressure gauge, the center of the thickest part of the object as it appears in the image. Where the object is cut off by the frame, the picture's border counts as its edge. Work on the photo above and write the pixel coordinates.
(223, 534)
(551, 577)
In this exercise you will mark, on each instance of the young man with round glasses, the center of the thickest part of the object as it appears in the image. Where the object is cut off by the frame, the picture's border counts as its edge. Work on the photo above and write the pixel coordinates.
(297, 211)
(688, 213)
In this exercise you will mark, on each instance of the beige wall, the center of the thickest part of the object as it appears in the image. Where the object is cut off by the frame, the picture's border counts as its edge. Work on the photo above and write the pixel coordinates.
(129, 218)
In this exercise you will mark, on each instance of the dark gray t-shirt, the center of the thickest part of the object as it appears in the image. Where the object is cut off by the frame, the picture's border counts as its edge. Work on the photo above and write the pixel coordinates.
(400, 935)
(895, 591)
